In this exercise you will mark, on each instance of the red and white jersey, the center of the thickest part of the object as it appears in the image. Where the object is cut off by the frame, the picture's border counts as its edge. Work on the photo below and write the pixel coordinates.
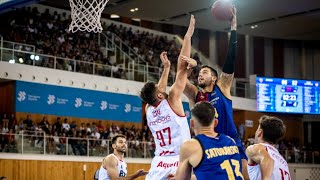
(169, 130)
(121, 166)
(280, 170)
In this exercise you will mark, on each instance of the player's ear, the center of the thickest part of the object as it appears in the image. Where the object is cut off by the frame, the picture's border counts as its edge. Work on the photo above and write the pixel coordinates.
(215, 122)
(214, 78)
(113, 146)
(260, 133)
(160, 95)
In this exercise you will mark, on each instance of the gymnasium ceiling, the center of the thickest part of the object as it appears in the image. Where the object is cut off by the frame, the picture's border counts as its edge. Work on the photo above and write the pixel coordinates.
(288, 19)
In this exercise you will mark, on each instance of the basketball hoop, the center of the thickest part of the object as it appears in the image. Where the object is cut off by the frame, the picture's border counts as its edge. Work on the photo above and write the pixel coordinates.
(86, 14)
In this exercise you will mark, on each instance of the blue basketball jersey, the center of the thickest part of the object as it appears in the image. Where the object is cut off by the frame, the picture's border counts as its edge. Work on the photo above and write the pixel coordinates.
(220, 160)
(224, 111)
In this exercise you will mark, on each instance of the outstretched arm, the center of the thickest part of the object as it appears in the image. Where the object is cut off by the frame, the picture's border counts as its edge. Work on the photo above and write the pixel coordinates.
(163, 81)
(227, 75)
(181, 77)
(110, 164)
(258, 154)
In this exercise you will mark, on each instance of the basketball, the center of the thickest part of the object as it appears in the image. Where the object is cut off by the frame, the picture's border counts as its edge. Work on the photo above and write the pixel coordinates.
(222, 10)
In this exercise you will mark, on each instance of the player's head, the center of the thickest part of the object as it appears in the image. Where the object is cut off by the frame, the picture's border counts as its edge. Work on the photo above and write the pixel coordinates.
(271, 130)
(203, 115)
(3, 178)
(151, 93)
(119, 143)
(207, 76)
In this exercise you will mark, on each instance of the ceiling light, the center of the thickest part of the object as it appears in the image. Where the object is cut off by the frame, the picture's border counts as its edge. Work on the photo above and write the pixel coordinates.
(114, 16)
(136, 9)
(32, 57)
(132, 10)
(37, 58)
(252, 27)
(255, 26)
(12, 61)
(20, 60)
(136, 19)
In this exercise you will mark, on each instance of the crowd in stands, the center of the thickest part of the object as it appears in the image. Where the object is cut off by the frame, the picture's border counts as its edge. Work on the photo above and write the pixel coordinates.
(140, 142)
(149, 46)
(49, 33)
(97, 137)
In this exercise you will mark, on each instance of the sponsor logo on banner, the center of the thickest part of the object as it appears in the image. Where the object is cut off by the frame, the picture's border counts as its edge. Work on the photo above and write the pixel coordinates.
(88, 104)
(113, 106)
(136, 109)
(21, 96)
(33, 98)
(62, 101)
(127, 108)
(51, 99)
(78, 102)
(104, 105)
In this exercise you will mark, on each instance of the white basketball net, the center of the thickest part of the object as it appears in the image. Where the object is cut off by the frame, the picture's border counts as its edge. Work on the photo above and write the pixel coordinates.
(86, 14)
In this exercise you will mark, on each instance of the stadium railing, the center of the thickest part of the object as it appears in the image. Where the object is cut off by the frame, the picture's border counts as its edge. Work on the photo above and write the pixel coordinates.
(37, 142)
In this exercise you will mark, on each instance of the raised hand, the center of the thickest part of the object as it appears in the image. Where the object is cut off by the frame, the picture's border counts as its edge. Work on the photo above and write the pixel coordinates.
(191, 26)
(164, 59)
(191, 62)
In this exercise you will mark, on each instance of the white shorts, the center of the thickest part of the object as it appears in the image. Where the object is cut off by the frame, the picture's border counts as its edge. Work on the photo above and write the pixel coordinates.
(162, 166)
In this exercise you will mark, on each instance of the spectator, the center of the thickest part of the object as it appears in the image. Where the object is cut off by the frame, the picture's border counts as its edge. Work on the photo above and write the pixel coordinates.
(44, 125)
(28, 123)
(65, 125)
(57, 127)
(73, 124)
(5, 123)
(13, 123)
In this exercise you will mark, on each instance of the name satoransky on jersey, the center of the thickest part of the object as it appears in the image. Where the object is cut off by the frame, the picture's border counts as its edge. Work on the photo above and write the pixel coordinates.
(160, 120)
(167, 165)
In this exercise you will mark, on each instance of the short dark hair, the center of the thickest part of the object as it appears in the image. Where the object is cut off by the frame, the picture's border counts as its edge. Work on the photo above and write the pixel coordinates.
(204, 112)
(115, 138)
(3, 177)
(273, 128)
(213, 71)
(147, 93)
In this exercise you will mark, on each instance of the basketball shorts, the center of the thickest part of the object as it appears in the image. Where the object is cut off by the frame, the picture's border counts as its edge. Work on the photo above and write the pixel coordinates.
(162, 166)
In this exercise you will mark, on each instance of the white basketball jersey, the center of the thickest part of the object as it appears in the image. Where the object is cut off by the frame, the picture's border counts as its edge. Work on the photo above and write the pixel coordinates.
(122, 170)
(169, 130)
(280, 170)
